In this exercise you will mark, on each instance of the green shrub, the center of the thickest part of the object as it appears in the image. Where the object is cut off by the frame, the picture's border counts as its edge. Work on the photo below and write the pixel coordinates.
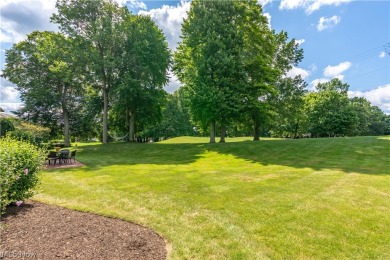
(30, 132)
(20, 163)
(6, 125)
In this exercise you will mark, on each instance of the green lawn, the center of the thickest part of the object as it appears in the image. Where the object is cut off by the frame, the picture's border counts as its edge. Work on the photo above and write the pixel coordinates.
(308, 198)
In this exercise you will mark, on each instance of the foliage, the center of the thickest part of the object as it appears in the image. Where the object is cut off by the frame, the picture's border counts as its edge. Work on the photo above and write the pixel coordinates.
(230, 60)
(176, 119)
(142, 75)
(208, 61)
(6, 125)
(20, 163)
(96, 25)
(329, 110)
(289, 103)
(371, 120)
(44, 65)
(127, 59)
(86, 120)
(22, 130)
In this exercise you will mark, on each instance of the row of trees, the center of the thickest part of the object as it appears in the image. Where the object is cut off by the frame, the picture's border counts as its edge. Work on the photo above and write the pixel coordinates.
(108, 67)
(104, 57)
(325, 112)
(292, 112)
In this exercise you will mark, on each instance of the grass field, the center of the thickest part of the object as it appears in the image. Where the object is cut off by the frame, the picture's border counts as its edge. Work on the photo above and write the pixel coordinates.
(307, 198)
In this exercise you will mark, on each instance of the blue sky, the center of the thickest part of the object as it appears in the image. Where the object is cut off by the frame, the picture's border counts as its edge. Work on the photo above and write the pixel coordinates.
(346, 39)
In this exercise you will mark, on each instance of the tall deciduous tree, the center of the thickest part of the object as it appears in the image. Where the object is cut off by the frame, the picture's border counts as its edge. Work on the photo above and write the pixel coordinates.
(230, 60)
(143, 71)
(44, 69)
(208, 62)
(274, 57)
(96, 24)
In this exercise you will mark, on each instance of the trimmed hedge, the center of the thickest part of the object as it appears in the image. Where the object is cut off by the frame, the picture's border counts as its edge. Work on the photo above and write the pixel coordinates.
(20, 163)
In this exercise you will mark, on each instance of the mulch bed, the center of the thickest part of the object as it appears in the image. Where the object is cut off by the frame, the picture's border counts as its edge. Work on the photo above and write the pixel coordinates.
(41, 231)
(64, 165)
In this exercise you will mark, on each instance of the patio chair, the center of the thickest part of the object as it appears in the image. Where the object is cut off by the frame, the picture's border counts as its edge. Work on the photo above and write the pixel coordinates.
(52, 156)
(64, 156)
(73, 156)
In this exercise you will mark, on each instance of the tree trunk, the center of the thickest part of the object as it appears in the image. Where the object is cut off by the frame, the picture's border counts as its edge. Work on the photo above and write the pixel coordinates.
(212, 132)
(223, 131)
(132, 128)
(66, 127)
(256, 131)
(105, 116)
(65, 115)
(296, 130)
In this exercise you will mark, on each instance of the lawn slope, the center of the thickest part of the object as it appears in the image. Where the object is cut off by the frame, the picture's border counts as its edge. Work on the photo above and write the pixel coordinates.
(308, 198)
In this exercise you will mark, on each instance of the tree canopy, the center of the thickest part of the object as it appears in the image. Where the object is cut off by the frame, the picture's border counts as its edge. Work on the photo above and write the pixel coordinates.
(108, 68)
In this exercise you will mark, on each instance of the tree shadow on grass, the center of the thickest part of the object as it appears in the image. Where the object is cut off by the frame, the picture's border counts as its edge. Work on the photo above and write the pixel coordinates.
(136, 153)
(369, 155)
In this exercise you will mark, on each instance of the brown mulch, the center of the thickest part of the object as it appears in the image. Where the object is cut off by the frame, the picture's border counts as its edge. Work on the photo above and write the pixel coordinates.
(41, 231)
(64, 165)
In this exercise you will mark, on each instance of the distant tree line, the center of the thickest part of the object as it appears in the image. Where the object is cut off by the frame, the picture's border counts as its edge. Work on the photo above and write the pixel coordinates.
(103, 75)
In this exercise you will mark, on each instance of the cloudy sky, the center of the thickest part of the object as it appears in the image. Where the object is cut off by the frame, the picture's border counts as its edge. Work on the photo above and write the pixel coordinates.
(347, 39)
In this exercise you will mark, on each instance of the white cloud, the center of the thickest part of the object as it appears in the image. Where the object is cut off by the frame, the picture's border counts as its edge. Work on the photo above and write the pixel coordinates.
(292, 4)
(315, 82)
(269, 17)
(330, 72)
(21, 17)
(8, 107)
(5, 37)
(169, 19)
(313, 67)
(133, 5)
(325, 23)
(379, 97)
(8, 94)
(317, 4)
(120, 2)
(300, 41)
(382, 54)
(138, 4)
(264, 2)
(309, 6)
(173, 84)
(295, 71)
(335, 71)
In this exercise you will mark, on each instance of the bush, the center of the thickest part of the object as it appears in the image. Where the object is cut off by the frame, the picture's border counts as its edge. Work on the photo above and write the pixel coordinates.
(20, 163)
(6, 125)
(30, 132)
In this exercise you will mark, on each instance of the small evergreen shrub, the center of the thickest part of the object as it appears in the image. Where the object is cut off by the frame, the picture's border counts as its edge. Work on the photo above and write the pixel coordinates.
(20, 163)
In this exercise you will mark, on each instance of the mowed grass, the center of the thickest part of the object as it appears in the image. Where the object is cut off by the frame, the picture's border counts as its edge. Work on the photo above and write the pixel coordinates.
(309, 198)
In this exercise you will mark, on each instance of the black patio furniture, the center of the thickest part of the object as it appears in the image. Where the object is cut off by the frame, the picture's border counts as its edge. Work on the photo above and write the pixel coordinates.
(73, 156)
(64, 156)
(53, 157)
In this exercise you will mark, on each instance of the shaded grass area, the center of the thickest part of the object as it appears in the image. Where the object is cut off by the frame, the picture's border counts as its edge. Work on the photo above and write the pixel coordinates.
(308, 198)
